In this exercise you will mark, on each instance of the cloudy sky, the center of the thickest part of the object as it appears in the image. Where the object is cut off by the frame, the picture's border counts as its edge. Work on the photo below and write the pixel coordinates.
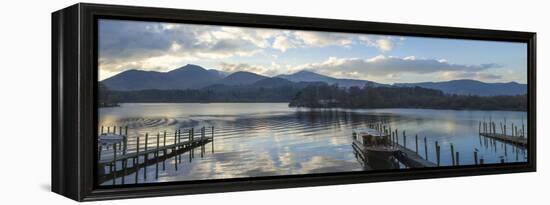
(153, 46)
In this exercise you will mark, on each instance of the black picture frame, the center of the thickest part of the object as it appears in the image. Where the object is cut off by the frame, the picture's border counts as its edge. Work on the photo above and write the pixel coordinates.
(74, 105)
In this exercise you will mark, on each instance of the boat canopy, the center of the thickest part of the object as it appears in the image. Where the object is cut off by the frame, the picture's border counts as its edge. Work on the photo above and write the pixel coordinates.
(110, 138)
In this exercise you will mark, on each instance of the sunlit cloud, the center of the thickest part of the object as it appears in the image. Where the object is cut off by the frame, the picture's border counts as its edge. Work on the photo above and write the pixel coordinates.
(152, 46)
(387, 65)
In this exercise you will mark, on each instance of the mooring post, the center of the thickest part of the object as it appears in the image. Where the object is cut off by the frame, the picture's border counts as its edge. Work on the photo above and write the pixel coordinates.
(136, 160)
(114, 129)
(522, 129)
(404, 139)
(425, 147)
(192, 136)
(212, 139)
(180, 144)
(191, 133)
(453, 154)
(108, 129)
(176, 157)
(101, 129)
(114, 165)
(99, 152)
(120, 145)
(475, 157)
(437, 153)
(480, 161)
(164, 151)
(124, 170)
(479, 128)
(157, 157)
(145, 157)
(179, 136)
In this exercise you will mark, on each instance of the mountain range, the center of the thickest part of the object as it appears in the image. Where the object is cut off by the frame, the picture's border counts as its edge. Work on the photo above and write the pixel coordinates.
(472, 87)
(196, 77)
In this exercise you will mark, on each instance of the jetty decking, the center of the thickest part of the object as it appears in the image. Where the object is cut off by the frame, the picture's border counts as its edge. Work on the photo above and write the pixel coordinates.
(120, 166)
(411, 159)
(506, 138)
(416, 155)
(514, 135)
(404, 155)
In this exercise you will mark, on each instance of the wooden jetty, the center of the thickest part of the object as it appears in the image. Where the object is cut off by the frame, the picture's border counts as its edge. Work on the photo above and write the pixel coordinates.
(516, 136)
(415, 157)
(411, 159)
(120, 166)
(400, 153)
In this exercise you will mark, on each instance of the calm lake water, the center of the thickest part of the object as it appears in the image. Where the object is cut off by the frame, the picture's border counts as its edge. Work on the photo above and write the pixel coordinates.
(265, 139)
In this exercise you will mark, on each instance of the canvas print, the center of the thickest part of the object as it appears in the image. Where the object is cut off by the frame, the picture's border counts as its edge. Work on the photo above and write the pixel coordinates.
(188, 102)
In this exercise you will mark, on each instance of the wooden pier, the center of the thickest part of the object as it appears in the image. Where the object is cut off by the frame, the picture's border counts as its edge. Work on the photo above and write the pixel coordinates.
(411, 159)
(417, 156)
(120, 166)
(515, 135)
(404, 155)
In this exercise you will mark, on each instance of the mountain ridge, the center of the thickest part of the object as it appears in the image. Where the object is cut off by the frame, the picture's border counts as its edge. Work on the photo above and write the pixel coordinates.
(193, 76)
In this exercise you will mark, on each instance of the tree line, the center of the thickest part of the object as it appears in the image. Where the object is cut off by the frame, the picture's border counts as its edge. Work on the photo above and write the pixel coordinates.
(401, 97)
(320, 96)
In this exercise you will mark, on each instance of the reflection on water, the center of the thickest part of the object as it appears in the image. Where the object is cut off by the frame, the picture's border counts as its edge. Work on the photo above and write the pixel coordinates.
(264, 139)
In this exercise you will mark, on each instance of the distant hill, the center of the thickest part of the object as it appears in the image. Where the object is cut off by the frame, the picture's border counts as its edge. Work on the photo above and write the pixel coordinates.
(308, 76)
(186, 77)
(472, 87)
(241, 78)
(196, 77)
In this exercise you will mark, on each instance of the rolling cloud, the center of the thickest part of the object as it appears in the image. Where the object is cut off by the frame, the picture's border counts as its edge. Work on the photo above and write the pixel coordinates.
(161, 46)
(387, 66)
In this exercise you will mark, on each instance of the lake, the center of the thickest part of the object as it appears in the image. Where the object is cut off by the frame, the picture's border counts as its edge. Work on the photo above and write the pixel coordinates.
(266, 139)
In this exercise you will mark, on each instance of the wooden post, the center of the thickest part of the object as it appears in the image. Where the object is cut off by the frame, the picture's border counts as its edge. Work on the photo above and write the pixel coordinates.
(437, 149)
(108, 129)
(480, 161)
(416, 142)
(101, 129)
(114, 165)
(164, 151)
(124, 169)
(453, 154)
(175, 149)
(404, 139)
(479, 128)
(457, 159)
(212, 139)
(522, 129)
(190, 139)
(157, 157)
(145, 157)
(136, 160)
(99, 152)
(426, 148)
(114, 129)
(475, 157)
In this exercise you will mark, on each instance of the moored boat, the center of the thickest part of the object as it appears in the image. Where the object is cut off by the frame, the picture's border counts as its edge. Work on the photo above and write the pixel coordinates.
(378, 151)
